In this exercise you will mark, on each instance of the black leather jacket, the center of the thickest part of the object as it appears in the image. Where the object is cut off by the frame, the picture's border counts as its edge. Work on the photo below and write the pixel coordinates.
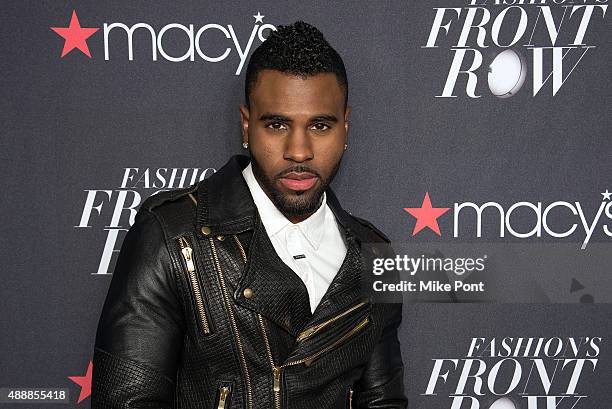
(202, 313)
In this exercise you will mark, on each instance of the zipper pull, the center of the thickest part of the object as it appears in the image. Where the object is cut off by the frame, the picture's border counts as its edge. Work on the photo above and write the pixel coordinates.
(187, 252)
(223, 396)
(306, 333)
(350, 398)
(277, 374)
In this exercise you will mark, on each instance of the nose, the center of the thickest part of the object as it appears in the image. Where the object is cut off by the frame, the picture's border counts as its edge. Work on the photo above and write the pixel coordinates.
(298, 146)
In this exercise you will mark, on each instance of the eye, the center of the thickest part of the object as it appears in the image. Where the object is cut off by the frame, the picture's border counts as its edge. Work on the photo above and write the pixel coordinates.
(276, 126)
(320, 126)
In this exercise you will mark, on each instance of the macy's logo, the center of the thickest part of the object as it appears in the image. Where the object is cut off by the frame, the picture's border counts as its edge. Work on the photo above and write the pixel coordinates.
(75, 37)
(427, 217)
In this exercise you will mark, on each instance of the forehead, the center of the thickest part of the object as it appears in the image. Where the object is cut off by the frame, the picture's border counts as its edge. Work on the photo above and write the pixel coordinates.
(275, 91)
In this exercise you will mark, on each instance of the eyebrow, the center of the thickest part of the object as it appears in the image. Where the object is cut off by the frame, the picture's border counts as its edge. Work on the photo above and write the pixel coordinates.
(278, 117)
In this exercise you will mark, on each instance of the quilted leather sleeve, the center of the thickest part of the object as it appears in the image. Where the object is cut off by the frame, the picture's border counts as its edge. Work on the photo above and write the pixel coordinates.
(123, 383)
(141, 328)
(382, 383)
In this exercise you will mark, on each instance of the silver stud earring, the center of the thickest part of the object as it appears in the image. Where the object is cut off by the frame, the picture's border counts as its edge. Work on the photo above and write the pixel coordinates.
(345, 146)
(245, 145)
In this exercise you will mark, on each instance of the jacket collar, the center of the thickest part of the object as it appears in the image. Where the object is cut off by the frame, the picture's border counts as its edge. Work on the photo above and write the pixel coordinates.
(225, 204)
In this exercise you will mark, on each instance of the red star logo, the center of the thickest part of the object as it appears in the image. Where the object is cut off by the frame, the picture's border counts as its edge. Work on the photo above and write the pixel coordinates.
(426, 215)
(84, 382)
(75, 36)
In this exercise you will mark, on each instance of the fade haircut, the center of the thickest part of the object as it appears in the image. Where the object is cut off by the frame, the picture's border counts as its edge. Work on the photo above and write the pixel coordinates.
(297, 49)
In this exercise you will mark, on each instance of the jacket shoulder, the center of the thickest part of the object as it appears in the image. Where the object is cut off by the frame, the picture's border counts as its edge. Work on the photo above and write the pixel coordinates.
(167, 196)
(175, 209)
(374, 232)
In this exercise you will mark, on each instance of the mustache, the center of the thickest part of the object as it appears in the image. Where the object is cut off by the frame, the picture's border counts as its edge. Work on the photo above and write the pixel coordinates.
(297, 169)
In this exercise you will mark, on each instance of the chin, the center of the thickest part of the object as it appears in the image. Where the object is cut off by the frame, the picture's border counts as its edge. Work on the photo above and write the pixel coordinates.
(299, 203)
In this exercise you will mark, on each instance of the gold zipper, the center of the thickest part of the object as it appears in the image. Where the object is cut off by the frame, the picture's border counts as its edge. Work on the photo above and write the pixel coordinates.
(275, 370)
(224, 392)
(276, 373)
(187, 252)
(351, 398)
(311, 358)
(233, 323)
(242, 252)
(308, 332)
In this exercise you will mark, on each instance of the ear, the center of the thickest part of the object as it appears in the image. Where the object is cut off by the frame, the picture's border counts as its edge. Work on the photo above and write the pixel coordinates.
(244, 122)
(347, 112)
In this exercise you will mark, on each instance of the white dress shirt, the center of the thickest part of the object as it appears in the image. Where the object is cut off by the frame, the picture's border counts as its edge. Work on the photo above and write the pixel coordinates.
(313, 248)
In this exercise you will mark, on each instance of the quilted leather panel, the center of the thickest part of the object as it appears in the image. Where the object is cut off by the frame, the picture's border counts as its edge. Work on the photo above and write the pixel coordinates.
(122, 383)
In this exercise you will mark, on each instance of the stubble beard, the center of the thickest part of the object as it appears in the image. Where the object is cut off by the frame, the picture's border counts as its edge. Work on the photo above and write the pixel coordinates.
(299, 203)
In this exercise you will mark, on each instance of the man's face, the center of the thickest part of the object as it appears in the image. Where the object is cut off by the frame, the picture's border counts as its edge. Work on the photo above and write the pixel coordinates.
(297, 129)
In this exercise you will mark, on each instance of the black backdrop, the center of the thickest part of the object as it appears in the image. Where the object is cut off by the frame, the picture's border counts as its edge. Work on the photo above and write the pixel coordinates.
(73, 127)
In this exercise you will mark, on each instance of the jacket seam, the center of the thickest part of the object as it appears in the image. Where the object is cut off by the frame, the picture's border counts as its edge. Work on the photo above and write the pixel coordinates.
(141, 364)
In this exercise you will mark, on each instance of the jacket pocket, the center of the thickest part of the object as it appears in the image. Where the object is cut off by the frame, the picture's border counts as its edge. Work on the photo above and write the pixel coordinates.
(196, 290)
(309, 332)
(357, 328)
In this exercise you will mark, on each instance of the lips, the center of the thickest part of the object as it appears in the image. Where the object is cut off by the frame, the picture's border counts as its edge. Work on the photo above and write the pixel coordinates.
(298, 180)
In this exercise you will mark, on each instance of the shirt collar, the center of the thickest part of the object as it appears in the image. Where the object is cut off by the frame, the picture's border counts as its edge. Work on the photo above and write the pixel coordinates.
(274, 221)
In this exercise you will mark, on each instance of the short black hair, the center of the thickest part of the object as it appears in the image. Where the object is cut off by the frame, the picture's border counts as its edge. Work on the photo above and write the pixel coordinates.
(298, 49)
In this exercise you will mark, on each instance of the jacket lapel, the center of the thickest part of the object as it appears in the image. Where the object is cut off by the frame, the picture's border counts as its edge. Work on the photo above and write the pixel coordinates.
(277, 292)
(345, 289)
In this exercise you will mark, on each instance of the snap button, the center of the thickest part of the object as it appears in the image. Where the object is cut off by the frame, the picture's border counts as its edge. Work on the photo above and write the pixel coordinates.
(205, 230)
(220, 237)
(248, 293)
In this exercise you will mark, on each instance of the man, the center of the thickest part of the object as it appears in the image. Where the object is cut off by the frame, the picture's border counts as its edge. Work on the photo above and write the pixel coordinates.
(243, 291)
